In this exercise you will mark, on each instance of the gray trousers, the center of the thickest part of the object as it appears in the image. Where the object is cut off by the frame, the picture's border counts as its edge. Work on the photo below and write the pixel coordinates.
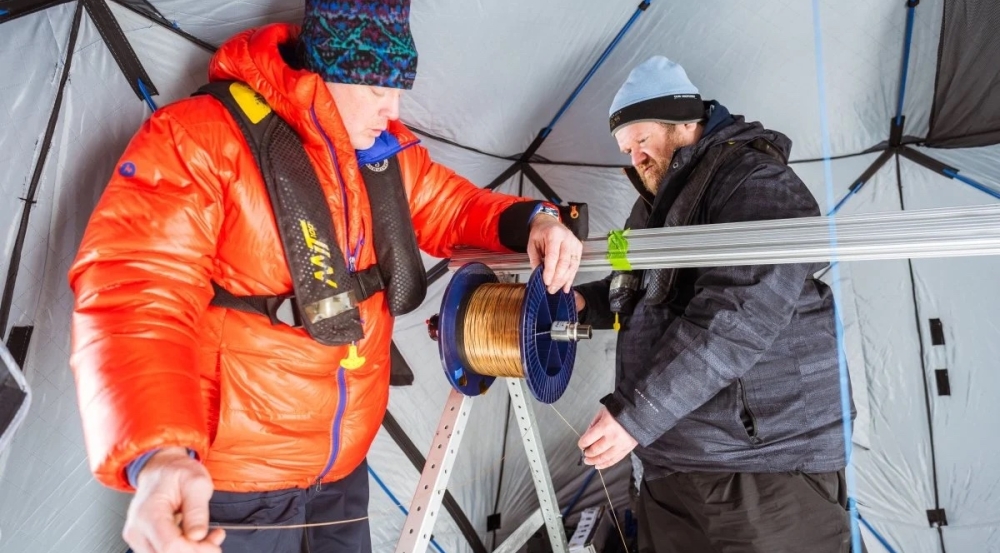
(744, 513)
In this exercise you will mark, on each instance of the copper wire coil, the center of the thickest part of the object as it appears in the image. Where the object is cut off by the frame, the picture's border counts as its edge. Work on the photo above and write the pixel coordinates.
(491, 330)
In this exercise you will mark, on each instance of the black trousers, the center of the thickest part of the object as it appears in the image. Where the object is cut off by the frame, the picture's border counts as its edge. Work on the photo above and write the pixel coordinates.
(337, 501)
(744, 513)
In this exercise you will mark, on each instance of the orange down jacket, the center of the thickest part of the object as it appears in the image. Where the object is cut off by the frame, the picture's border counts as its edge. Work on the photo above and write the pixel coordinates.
(265, 407)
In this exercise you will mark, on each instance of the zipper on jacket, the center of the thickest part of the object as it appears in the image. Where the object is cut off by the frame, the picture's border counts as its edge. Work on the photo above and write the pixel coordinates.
(338, 420)
(750, 421)
(352, 259)
(343, 190)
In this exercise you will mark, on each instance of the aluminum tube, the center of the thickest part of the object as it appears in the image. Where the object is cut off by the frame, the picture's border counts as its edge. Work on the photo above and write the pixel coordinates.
(952, 232)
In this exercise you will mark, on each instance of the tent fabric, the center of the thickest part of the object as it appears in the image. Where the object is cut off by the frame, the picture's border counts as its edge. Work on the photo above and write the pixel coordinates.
(951, 292)
(492, 74)
(967, 94)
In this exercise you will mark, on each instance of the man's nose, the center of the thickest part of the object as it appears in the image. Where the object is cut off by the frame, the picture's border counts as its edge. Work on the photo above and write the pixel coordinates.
(391, 111)
(638, 158)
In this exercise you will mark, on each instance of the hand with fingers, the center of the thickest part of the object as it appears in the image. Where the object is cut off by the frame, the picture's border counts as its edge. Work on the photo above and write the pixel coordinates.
(169, 513)
(549, 241)
(606, 442)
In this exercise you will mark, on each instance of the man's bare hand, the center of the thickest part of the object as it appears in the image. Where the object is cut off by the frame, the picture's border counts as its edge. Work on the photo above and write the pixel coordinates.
(169, 513)
(606, 442)
(550, 241)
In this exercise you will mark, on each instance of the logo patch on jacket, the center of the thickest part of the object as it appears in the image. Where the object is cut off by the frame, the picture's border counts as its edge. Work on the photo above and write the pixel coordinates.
(320, 257)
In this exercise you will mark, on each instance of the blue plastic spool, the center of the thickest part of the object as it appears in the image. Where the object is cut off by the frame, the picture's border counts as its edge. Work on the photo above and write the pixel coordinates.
(548, 364)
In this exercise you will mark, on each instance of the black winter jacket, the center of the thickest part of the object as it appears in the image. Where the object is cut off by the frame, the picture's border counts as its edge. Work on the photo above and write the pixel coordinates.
(727, 369)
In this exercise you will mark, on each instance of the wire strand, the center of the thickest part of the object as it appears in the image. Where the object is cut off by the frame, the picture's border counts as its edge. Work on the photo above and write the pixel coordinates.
(607, 494)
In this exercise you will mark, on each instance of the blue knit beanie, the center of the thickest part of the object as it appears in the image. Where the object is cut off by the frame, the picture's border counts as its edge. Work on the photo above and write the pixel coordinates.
(359, 42)
(656, 90)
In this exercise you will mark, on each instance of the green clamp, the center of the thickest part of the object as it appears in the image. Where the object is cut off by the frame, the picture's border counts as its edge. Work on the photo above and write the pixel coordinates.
(618, 250)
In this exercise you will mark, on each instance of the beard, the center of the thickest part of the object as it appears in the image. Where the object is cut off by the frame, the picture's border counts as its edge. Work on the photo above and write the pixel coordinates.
(651, 173)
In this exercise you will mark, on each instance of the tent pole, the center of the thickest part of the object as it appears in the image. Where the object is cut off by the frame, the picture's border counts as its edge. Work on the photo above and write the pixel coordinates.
(544, 133)
(944, 169)
(911, 6)
(36, 177)
(862, 180)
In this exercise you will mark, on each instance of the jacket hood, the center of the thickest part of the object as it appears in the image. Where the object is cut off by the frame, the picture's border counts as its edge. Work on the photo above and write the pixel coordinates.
(297, 95)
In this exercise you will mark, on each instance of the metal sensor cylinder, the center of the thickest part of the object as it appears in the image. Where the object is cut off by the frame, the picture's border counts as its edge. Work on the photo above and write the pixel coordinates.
(565, 331)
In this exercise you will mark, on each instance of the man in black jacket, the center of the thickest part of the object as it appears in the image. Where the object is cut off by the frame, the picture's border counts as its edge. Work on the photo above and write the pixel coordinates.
(727, 378)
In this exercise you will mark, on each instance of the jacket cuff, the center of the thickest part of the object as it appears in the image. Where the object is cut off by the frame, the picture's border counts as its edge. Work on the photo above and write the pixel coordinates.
(515, 223)
(626, 415)
(584, 315)
(135, 467)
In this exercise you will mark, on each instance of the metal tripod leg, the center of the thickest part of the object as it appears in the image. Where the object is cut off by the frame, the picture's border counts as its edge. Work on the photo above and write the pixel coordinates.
(548, 504)
(426, 504)
(427, 499)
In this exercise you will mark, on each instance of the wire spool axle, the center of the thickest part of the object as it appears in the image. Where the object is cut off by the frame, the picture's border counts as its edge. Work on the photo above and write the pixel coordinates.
(487, 329)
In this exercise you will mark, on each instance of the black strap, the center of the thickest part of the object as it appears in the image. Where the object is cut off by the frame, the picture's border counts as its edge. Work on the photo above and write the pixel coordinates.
(326, 292)
(120, 48)
(284, 308)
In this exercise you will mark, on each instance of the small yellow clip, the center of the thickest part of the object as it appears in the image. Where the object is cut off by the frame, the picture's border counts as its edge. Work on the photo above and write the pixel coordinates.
(617, 326)
(352, 361)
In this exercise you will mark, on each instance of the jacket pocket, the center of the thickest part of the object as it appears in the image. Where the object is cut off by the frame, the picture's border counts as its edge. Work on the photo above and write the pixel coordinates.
(747, 416)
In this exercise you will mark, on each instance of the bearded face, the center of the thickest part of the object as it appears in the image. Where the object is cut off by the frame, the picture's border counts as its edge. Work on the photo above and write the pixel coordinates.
(650, 146)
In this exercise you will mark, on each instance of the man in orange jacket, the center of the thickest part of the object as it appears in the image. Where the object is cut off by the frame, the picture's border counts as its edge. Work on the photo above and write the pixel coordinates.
(214, 413)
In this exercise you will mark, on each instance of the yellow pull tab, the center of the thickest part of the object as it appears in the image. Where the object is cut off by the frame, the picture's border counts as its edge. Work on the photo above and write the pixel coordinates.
(617, 326)
(352, 361)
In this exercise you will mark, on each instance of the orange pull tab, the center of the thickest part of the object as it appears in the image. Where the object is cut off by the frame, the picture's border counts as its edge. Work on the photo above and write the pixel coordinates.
(353, 360)
(573, 212)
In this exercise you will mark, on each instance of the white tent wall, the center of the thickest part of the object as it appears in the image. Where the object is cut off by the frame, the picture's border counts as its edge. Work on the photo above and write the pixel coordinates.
(26, 99)
(894, 474)
(214, 22)
(962, 294)
(506, 60)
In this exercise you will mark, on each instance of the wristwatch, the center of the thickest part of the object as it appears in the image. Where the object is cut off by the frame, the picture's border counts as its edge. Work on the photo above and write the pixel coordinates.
(544, 208)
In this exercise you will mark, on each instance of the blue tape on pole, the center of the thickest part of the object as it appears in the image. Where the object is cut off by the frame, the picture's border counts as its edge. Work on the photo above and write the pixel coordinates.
(3, 12)
(845, 390)
(146, 96)
(978, 186)
(906, 62)
(392, 496)
(878, 536)
(843, 201)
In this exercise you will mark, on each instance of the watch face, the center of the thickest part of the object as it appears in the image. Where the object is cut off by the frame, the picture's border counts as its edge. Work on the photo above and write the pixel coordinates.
(550, 211)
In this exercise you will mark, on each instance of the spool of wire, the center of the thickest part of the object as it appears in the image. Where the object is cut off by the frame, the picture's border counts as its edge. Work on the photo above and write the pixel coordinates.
(487, 329)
